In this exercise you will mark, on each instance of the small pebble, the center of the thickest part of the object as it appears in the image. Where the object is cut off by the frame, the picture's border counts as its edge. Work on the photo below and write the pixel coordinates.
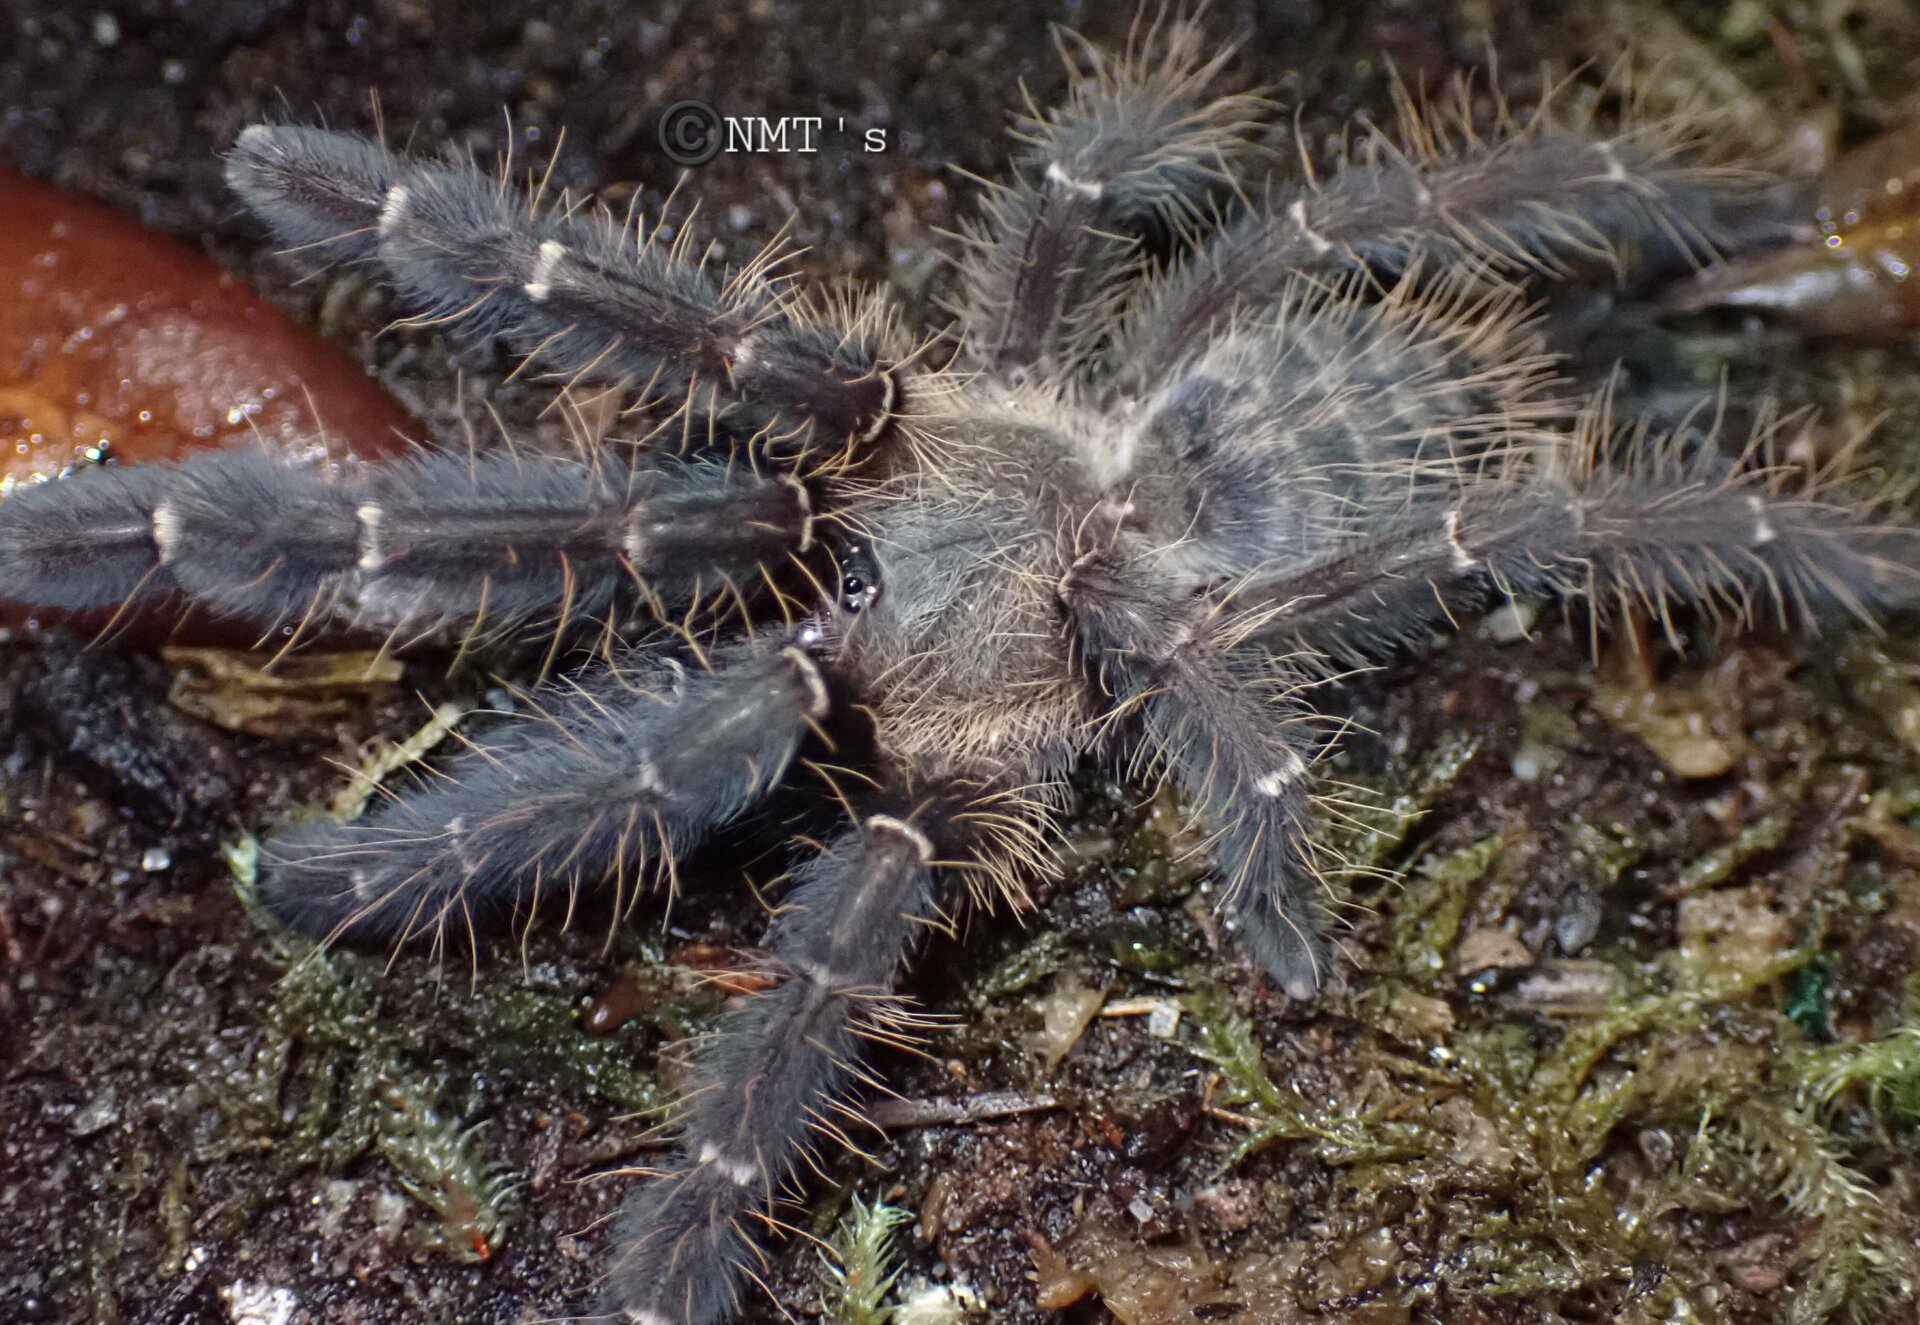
(96, 1115)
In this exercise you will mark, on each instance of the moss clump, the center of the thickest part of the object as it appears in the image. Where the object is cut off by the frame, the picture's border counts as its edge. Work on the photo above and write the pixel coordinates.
(862, 1265)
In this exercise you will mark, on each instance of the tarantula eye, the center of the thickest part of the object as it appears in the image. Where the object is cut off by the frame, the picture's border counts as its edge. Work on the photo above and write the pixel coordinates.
(857, 592)
(859, 581)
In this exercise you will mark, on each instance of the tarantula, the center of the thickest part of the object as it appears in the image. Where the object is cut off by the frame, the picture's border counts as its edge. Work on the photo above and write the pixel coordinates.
(1208, 437)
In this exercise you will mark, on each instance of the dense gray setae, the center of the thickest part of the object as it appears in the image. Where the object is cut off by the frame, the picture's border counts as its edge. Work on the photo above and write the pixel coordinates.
(1207, 438)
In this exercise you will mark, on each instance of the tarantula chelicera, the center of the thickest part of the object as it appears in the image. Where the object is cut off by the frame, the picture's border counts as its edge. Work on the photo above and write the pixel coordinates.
(1207, 436)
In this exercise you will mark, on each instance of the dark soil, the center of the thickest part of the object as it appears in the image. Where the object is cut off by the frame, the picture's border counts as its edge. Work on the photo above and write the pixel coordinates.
(200, 1121)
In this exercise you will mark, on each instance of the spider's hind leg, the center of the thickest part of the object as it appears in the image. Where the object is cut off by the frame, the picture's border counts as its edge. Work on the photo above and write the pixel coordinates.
(601, 776)
(773, 1083)
(1138, 148)
(1520, 201)
(1637, 522)
(1230, 731)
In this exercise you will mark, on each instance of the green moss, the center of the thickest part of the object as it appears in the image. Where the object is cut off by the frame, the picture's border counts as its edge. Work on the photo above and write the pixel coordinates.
(1858, 1261)
(1715, 867)
(442, 1166)
(862, 1265)
(1144, 949)
(534, 1033)
(1336, 1131)
(1884, 679)
(1427, 920)
(1518, 1132)
(1032, 961)
(1885, 1071)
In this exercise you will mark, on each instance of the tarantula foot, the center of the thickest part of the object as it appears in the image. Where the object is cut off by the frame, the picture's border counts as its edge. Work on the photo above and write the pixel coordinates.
(1295, 956)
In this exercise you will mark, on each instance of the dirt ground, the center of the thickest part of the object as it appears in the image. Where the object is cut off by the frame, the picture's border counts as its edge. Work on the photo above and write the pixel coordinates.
(1631, 1025)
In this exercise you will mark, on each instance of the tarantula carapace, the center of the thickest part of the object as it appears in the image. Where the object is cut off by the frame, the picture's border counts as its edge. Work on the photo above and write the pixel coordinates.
(1207, 435)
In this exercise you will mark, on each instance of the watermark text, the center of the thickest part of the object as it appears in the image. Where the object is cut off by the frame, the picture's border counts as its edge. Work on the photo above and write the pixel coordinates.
(692, 133)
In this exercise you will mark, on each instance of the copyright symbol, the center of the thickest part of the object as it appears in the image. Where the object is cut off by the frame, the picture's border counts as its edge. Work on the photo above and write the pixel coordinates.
(690, 133)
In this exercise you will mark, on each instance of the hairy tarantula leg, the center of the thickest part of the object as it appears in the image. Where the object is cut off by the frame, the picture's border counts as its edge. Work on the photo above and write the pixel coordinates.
(1664, 525)
(581, 292)
(602, 775)
(1229, 730)
(419, 544)
(1137, 146)
(448, 538)
(1534, 201)
(777, 1073)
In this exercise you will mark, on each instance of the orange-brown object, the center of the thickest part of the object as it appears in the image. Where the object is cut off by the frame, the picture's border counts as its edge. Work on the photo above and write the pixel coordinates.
(110, 332)
(113, 335)
(1858, 274)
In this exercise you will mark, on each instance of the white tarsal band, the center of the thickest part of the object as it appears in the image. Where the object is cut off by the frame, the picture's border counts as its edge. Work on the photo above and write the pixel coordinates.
(540, 284)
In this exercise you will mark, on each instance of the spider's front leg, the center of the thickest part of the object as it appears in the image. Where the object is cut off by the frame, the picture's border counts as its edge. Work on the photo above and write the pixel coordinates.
(1229, 729)
(578, 291)
(773, 1084)
(410, 547)
(632, 763)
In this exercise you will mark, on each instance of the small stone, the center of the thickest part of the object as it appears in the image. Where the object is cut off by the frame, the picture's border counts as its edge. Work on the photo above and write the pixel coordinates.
(1491, 950)
(96, 1115)
(1763, 1264)
(1578, 922)
(1420, 1018)
(1232, 1205)
(257, 1304)
(1738, 931)
(1065, 1014)
(1362, 1264)
(1570, 988)
(1510, 622)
